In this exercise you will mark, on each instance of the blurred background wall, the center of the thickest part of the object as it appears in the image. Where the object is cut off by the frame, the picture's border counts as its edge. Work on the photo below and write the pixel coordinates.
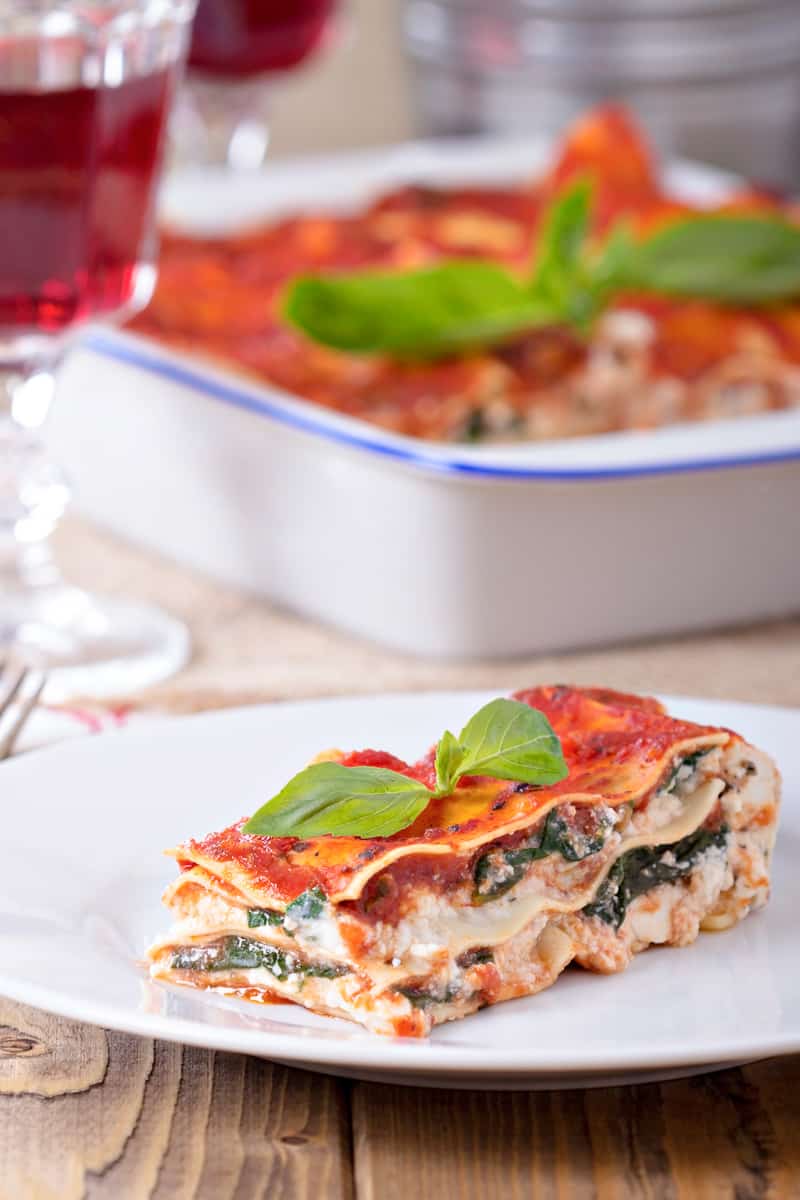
(357, 93)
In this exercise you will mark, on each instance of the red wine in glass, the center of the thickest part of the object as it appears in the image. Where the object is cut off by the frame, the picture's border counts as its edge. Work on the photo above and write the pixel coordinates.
(251, 37)
(236, 46)
(77, 170)
(85, 90)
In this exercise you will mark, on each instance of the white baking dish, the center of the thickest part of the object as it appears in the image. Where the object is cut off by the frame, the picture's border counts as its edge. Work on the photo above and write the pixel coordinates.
(433, 549)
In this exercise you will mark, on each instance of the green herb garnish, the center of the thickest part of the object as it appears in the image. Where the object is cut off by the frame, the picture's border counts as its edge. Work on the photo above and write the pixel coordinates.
(505, 740)
(461, 305)
(429, 313)
(733, 259)
(562, 278)
(328, 798)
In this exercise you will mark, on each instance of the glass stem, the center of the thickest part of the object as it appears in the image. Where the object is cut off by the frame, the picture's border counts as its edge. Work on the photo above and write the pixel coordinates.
(88, 645)
(222, 122)
(33, 491)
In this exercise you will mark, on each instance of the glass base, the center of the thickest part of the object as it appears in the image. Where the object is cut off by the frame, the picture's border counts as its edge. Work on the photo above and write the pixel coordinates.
(90, 645)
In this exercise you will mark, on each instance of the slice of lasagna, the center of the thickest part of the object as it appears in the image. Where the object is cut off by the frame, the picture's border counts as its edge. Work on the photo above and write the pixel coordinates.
(660, 829)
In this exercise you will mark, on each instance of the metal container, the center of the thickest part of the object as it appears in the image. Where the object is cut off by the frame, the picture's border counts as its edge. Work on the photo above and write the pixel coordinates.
(715, 80)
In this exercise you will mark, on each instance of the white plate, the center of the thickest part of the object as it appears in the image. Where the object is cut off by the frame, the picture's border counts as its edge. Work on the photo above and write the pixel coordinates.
(81, 875)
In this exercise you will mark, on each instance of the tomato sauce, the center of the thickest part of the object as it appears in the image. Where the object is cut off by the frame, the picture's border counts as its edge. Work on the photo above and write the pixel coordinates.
(617, 749)
(222, 298)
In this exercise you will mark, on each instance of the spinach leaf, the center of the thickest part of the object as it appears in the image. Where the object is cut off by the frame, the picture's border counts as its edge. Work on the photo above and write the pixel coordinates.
(646, 867)
(611, 901)
(237, 953)
(308, 905)
(497, 871)
(420, 998)
(690, 762)
(257, 917)
(571, 844)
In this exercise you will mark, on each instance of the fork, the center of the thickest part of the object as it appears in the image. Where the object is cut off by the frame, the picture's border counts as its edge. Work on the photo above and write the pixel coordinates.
(20, 689)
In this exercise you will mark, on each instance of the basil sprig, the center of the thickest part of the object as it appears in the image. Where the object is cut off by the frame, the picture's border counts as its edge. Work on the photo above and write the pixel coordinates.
(461, 305)
(562, 279)
(330, 798)
(456, 306)
(505, 740)
(733, 259)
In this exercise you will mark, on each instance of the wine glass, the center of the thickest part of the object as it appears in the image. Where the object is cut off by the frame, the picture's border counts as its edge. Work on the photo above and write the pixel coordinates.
(238, 47)
(85, 89)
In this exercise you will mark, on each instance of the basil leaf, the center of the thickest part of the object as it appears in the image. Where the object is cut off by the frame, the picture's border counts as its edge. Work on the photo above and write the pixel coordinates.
(610, 269)
(458, 306)
(510, 740)
(506, 739)
(353, 801)
(455, 306)
(566, 227)
(751, 259)
(449, 754)
(574, 280)
(558, 277)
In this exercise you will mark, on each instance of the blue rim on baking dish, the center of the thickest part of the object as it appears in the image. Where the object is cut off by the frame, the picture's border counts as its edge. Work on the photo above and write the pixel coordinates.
(306, 417)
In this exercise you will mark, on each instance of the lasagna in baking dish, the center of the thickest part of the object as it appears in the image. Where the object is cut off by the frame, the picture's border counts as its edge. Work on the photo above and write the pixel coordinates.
(653, 359)
(658, 829)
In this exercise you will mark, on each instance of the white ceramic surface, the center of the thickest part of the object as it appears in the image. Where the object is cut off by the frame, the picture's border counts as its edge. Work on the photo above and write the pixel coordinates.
(81, 873)
(594, 539)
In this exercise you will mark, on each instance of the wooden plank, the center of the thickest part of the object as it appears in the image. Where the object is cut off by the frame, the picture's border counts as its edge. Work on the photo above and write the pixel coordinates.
(90, 1113)
(729, 1134)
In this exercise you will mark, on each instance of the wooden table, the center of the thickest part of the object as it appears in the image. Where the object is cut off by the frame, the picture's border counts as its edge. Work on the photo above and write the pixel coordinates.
(85, 1112)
